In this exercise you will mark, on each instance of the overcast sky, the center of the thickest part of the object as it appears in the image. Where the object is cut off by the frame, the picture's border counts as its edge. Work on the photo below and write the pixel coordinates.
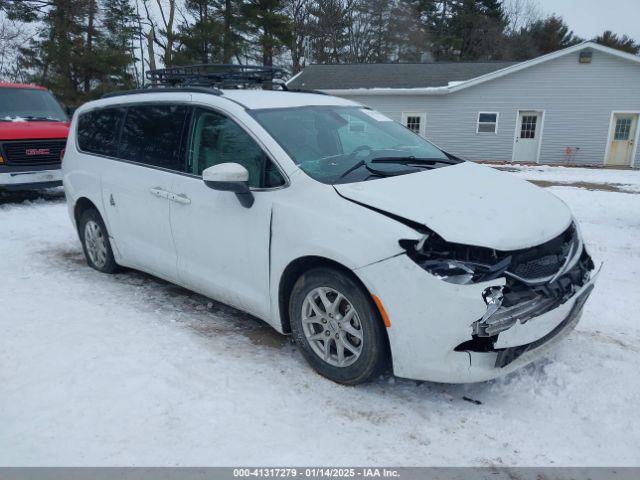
(589, 18)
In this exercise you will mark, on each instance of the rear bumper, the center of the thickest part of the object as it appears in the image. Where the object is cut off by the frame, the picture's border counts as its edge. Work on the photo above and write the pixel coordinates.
(431, 319)
(35, 177)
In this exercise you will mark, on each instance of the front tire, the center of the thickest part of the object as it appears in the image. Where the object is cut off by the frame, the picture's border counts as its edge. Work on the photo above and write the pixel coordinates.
(336, 327)
(95, 242)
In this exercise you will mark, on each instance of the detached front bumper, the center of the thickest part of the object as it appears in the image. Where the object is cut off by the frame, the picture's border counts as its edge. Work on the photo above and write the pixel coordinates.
(434, 325)
(18, 179)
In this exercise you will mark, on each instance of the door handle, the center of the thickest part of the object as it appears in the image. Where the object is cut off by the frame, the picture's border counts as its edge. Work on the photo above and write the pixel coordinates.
(179, 198)
(159, 192)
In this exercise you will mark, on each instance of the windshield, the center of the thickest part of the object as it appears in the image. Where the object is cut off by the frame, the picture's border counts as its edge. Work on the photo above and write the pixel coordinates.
(349, 144)
(29, 104)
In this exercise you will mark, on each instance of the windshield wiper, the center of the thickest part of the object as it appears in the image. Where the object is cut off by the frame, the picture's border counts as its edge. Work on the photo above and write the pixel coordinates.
(352, 168)
(411, 160)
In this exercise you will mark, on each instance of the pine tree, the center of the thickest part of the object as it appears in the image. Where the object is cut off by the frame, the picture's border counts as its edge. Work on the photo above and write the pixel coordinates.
(328, 26)
(551, 34)
(56, 57)
(120, 30)
(203, 40)
(624, 43)
(477, 27)
(270, 26)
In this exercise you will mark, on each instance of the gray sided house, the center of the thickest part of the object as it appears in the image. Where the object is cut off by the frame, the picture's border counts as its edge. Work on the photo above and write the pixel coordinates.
(577, 106)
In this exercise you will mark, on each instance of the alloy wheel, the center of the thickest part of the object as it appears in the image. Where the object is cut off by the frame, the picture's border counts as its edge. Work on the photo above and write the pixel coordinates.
(332, 327)
(95, 243)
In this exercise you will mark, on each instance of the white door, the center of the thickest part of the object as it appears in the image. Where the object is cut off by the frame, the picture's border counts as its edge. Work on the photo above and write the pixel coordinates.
(136, 191)
(223, 245)
(622, 138)
(138, 217)
(528, 133)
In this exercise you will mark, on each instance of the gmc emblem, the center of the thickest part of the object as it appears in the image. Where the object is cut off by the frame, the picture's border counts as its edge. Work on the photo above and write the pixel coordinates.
(37, 151)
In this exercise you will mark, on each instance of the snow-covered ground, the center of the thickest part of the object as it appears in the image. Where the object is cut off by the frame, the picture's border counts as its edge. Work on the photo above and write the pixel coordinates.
(129, 370)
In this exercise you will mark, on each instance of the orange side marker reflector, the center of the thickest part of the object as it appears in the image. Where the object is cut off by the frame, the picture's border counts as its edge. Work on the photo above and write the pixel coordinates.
(383, 312)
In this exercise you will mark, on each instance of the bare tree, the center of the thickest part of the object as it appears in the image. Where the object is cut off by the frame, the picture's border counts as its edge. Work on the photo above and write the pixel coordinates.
(521, 14)
(360, 31)
(161, 31)
(12, 36)
(299, 13)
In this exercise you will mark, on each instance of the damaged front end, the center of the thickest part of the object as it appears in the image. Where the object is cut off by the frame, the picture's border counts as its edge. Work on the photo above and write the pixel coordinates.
(536, 281)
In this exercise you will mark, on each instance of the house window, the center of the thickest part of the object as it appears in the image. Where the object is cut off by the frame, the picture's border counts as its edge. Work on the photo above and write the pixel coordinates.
(416, 122)
(413, 124)
(487, 122)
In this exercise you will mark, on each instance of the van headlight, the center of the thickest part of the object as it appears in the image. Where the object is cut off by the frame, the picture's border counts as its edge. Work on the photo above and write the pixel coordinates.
(456, 263)
(452, 271)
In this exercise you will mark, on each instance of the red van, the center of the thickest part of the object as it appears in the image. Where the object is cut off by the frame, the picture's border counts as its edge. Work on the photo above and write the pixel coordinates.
(33, 134)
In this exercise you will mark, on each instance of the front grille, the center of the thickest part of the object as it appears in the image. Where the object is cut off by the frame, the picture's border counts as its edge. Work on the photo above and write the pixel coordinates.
(545, 260)
(540, 267)
(33, 152)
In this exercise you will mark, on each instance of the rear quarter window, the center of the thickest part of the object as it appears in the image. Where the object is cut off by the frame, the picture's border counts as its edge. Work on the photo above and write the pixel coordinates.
(98, 131)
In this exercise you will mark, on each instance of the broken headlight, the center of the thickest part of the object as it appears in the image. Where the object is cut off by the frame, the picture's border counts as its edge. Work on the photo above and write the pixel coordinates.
(464, 264)
(456, 263)
(452, 271)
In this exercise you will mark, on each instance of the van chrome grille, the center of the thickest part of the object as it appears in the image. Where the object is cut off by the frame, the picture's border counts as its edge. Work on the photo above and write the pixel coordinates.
(33, 152)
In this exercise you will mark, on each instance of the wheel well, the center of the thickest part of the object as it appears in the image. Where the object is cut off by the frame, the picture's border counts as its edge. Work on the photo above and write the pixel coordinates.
(293, 272)
(82, 205)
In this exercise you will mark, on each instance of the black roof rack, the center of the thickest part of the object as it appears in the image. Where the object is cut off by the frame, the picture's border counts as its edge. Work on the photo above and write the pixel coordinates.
(216, 76)
(211, 91)
(210, 78)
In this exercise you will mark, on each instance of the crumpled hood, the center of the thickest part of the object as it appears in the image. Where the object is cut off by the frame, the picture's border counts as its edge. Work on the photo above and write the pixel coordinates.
(33, 130)
(470, 204)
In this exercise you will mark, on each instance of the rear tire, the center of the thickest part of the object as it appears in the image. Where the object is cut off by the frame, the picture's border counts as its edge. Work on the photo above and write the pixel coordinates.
(95, 242)
(337, 328)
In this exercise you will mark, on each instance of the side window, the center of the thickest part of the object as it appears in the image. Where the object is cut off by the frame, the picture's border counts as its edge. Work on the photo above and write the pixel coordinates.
(98, 131)
(152, 135)
(217, 139)
(487, 122)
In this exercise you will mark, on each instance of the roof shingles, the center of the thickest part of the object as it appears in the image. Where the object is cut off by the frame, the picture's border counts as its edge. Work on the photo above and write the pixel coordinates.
(391, 75)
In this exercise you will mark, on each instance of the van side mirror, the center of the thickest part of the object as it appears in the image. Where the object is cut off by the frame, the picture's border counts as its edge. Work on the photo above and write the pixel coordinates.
(229, 177)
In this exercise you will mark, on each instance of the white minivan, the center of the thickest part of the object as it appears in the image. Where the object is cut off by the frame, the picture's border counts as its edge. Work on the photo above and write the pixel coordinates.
(331, 222)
